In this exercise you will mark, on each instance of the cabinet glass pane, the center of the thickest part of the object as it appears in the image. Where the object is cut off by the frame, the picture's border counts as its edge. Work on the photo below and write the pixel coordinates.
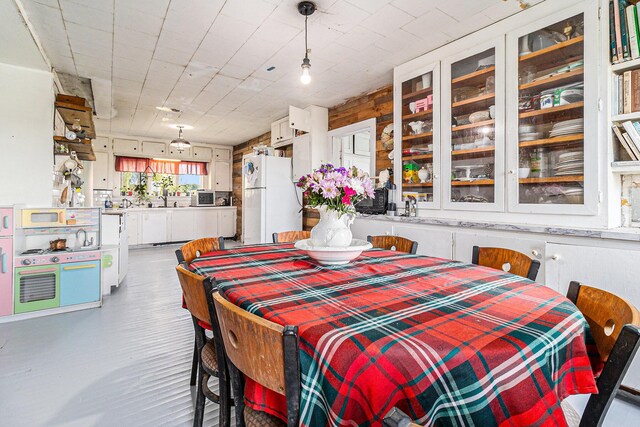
(417, 138)
(472, 128)
(551, 114)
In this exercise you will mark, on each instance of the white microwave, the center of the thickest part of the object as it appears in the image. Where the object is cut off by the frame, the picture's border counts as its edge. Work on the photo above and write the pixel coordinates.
(203, 198)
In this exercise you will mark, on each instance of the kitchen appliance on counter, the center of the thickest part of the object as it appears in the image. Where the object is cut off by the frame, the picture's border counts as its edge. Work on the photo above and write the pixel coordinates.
(6, 261)
(203, 198)
(271, 202)
(375, 206)
(51, 279)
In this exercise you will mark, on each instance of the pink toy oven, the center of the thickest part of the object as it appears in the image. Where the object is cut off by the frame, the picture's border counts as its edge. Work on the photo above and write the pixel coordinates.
(6, 261)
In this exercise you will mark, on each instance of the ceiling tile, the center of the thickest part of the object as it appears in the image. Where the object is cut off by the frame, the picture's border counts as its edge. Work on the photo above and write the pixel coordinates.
(88, 16)
(172, 56)
(431, 22)
(82, 33)
(371, 6)
(134, 38)
(137, 21)
(416, 7)
(387, 20)
(254, 13)
(105, 6)
(342, 16)
(162, 70)
(276, 32)
(236, 71)
(155, 8)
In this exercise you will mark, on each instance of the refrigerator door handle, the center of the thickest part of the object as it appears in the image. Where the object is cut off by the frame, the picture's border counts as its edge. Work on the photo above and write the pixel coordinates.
(4, 263)
(5, 221)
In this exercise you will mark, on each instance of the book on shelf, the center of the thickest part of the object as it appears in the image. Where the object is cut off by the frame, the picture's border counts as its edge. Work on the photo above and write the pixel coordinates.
(626, 96)
(624, 35)
(632, 26)
(634, 136)
(624, 143)
(624, 30)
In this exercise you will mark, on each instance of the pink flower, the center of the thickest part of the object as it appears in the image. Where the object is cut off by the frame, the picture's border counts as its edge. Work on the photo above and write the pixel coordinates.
(348, 191)
(346, 200)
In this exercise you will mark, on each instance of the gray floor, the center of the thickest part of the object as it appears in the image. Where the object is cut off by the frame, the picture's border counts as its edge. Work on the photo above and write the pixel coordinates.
(125, 364)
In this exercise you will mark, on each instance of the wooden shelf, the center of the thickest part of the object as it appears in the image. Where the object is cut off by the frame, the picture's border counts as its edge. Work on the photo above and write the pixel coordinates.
(472, 183)
(83, 148)
(472, 125)
(418, 136)
(418, 93)
(552, 110)
(623, 66)
(471, 101)
(72, 108)
(552, 179)
(564, 139)
(416, 115)
(626, 167)
(624, 117)
(476, 152)
(417, 185)
(558, 79)
(555, 49)
(417, 157)
(471, 79)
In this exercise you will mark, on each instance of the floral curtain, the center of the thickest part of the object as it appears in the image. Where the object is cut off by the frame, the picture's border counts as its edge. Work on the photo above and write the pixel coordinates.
(135, 164)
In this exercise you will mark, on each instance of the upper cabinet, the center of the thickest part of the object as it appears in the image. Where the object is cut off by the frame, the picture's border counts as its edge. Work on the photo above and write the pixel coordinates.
(417, 96)
(202, 153)
(552, 95)
(281, 133)
(153, 148)
(126, 146)
(473, 127)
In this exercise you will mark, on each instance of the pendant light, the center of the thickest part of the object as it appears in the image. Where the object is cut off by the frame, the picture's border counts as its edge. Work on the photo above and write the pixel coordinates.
(180, 143)
(306, 8)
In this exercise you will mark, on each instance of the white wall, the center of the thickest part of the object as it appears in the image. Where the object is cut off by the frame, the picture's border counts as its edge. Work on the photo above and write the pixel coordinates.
(26, 130)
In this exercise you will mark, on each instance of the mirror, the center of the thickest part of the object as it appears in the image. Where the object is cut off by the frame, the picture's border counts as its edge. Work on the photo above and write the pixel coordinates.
(355, 145)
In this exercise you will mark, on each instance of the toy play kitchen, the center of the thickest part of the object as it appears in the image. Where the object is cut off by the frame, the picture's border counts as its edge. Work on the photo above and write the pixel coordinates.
(57, 261)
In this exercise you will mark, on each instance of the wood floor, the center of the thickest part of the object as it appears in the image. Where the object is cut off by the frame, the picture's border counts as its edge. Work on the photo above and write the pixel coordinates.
(125, 364)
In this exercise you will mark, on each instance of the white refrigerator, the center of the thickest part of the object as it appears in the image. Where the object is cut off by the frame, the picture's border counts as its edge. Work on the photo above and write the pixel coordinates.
(271, 202)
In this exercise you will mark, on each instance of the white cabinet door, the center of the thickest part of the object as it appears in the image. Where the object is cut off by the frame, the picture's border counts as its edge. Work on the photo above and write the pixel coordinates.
(614, 270)
(435, 243)
(152, 148)
(206, 222)
(223, 176)
(299, 119)
(100, 170)
(126, 146)
(181, 225)
(154, 227)
(363, 227)
(275, 133)
(533, 248)
(183, 155)
(301, 156)
(133, 224)
(347, 144)
(361, 144)
(202, 153)
(222, 154)
(227, 222)
(101, 144)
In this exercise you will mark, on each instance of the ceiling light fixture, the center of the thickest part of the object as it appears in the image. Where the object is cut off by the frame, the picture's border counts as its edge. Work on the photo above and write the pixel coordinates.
(180, 143)
(306, 8)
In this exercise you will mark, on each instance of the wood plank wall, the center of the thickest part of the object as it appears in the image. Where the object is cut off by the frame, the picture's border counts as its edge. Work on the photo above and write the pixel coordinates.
(377, 104)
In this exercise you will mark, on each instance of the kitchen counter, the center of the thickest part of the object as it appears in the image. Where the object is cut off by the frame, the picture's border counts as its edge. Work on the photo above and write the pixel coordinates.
(611, 233)
(160, 208)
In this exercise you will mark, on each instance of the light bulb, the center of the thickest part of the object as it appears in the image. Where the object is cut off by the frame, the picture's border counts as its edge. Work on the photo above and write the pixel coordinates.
(305, 78)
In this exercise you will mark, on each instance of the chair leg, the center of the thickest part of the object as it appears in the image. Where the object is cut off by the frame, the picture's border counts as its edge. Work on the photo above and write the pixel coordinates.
(225, 398)
(238, 393)
(198, 417)
(194, 364)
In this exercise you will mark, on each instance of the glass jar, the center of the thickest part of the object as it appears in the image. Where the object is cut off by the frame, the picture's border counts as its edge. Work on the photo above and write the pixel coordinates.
(539, 162)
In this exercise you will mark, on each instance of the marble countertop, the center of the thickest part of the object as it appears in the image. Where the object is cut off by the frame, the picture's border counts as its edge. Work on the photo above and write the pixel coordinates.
(629, 234)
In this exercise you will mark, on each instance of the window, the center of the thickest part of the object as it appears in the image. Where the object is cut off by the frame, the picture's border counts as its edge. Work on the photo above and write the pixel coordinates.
(180, 185)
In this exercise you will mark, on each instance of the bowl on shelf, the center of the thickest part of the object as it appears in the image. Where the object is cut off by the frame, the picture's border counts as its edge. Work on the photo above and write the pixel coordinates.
(524, 172)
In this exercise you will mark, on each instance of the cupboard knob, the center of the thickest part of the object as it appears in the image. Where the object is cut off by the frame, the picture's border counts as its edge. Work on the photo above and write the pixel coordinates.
(535, 253)
(436, 176)
(555, 257)
(512, 172)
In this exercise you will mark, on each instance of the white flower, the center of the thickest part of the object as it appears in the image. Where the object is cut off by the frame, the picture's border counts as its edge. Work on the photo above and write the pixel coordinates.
(356, 185)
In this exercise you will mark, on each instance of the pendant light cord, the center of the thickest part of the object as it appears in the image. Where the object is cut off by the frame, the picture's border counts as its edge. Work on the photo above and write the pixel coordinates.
(306, 49)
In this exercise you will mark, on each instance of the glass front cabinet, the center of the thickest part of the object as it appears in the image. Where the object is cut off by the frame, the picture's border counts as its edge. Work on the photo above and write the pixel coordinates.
(419, 130)
(552, 155)
(499, 125)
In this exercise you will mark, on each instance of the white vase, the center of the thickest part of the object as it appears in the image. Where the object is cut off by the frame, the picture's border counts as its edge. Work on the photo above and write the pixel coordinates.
(332, 230)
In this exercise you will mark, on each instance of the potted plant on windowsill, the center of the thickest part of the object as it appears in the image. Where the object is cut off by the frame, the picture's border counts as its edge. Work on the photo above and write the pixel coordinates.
(140, 190)
(334, 192)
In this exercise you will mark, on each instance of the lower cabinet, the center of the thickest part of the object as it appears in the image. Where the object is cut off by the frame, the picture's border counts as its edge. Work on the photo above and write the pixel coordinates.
(227, 223)
(153, 227)
(181, 225)
(434, 243)
(133, 228)
(79, 282)
(206, 224)
(362, 227)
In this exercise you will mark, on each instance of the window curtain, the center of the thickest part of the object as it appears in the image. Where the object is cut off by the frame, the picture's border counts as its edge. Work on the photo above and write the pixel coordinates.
(135, 164)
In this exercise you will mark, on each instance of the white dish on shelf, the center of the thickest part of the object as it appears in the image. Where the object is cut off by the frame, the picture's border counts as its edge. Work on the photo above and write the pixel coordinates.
(326, 255)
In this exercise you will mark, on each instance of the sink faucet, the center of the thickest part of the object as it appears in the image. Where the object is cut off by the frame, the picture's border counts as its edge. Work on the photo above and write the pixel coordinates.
(85, 243)
(164, 197)
(126, 203)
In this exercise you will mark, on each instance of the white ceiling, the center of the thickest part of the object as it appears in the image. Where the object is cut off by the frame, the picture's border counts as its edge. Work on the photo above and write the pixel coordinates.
(208, 58)
(17, 46)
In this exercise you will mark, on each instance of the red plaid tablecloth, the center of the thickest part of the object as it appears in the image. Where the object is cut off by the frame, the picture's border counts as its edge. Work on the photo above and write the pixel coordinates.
(449, 343)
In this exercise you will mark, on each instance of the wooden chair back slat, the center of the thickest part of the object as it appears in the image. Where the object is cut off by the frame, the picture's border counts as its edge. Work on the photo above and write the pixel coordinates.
(290, 236)
(254, 345)
(397, 243)
(195, 248)
(606, 314)
(508, 260)
(194, 294)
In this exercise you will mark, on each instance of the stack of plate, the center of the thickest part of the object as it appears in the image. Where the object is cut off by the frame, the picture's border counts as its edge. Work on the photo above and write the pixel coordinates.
(574, 195)
(569, 163)
(567, 127)
(530, 136)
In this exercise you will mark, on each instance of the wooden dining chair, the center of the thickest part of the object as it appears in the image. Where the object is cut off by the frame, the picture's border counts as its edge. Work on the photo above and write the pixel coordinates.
(197, 290)
(193, 249)
(393, 243)
(614, 324)
(263, 351)
(508, 260)
(290, 236)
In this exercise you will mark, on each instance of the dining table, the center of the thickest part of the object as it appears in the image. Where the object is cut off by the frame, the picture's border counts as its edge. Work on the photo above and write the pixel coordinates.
(447, 342)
